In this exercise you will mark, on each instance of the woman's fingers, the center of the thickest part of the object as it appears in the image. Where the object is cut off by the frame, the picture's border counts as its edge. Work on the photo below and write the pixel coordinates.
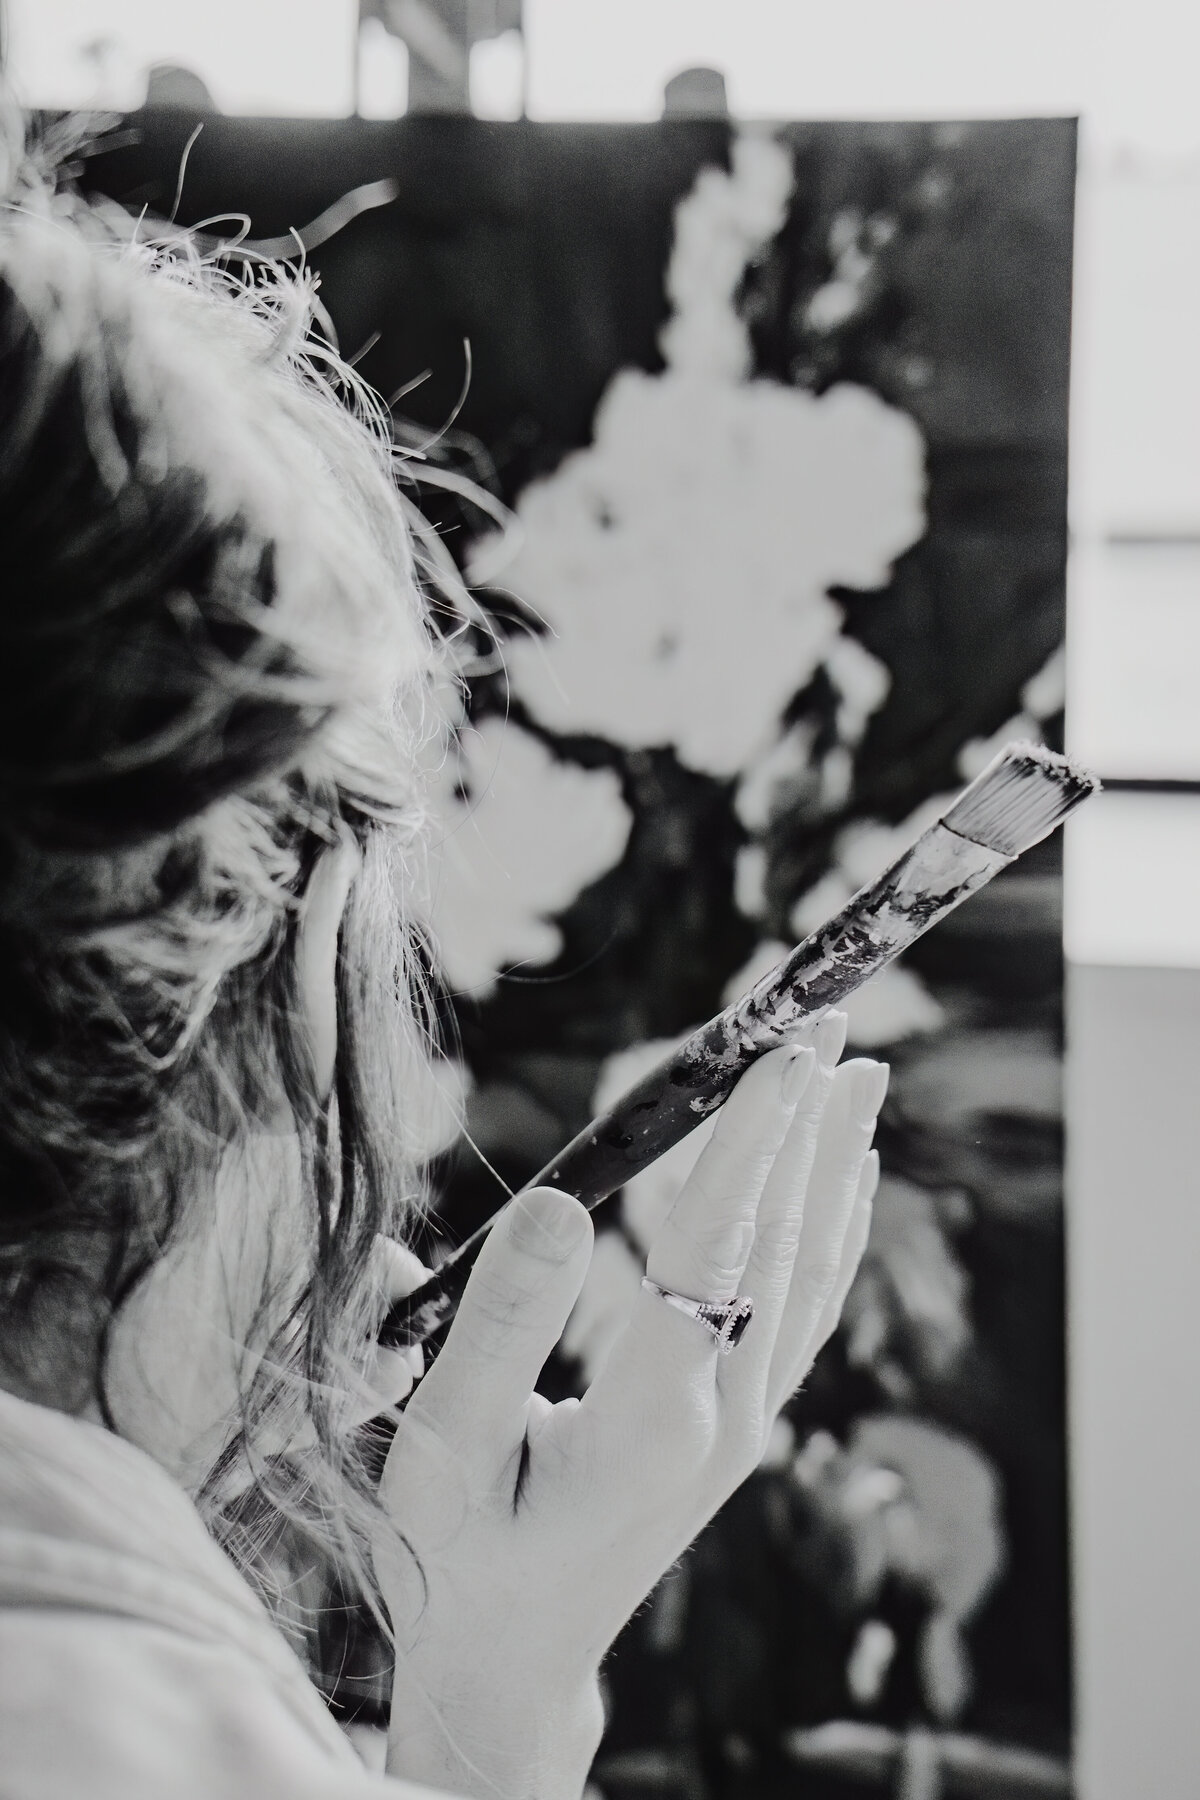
(390, 1375)
(768, 1276)
(846, 1132)
(512, 1313)
(388, 1378)
(857, 1233)
(704, 1244)
(786, 1379)
(662, 1367)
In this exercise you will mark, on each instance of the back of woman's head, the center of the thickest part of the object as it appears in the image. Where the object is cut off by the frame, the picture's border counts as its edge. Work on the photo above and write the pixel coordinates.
(214, 660)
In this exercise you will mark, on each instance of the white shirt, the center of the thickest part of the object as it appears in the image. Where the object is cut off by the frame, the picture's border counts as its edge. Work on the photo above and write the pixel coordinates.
(135, 1663)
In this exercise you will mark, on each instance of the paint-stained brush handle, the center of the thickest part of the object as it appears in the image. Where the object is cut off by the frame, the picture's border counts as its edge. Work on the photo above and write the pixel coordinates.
(1018, 800)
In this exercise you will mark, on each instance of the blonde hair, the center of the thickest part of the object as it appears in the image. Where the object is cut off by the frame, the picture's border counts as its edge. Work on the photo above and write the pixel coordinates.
(215, 658)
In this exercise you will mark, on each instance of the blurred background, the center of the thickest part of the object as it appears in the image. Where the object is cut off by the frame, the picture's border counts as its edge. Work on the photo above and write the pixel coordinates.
(944, 1624)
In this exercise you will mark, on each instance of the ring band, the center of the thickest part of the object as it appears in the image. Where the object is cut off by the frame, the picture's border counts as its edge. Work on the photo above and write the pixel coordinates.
(725, 1319)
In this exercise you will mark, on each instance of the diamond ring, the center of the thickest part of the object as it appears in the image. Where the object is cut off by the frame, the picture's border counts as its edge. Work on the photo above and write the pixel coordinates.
(725, 1319)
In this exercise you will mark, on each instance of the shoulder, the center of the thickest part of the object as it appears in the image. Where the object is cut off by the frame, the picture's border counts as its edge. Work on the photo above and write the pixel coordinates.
(121, 1709)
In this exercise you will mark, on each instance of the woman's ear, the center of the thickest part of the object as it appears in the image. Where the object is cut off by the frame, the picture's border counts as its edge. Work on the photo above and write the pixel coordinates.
(316, 953)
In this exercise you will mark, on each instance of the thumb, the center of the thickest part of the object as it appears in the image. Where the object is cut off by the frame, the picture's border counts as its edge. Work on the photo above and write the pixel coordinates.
(512, 1313)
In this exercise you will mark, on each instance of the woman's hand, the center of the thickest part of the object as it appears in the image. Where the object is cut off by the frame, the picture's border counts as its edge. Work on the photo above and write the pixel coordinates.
(537, 1530)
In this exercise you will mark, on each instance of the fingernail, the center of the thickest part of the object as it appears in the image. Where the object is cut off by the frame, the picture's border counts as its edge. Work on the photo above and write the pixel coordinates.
(797, 1073)
(870, 1086)
(547, 1223)
(868, 1180)
(830, 1038)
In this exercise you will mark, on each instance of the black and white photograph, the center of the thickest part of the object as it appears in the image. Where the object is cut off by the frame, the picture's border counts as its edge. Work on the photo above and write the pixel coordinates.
(599, 900)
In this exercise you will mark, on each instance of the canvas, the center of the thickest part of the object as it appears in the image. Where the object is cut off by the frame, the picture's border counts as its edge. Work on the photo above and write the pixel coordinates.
(779, 418)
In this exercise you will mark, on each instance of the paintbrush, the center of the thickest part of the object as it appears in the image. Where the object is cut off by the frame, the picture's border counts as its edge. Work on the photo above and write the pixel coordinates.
(1019, 799)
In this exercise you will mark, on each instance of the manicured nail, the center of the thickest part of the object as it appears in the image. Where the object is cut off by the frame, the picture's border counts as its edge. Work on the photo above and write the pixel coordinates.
(870, 1086)
(830, 1038)
(797, 1073)
(547, 1223)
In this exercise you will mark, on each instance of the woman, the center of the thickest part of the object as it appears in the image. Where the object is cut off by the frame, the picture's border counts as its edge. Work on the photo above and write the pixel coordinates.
(220, 688)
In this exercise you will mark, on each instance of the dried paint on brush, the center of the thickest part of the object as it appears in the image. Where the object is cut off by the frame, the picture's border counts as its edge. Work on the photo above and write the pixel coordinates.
(1017, 801)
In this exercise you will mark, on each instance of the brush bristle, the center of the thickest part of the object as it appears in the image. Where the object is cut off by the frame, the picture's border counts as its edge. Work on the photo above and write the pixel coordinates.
(1019, 799)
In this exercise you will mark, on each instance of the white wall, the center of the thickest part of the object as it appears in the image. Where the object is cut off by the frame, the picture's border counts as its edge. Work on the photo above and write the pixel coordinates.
(1134, 1310)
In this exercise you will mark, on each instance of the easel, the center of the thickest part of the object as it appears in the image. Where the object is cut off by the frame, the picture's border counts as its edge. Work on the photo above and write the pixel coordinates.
(439, 36)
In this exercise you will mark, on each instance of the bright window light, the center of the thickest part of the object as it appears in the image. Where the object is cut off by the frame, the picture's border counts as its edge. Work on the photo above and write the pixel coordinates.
(382, 72)
(1132, 864)
(498, 77)
(254, 56)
